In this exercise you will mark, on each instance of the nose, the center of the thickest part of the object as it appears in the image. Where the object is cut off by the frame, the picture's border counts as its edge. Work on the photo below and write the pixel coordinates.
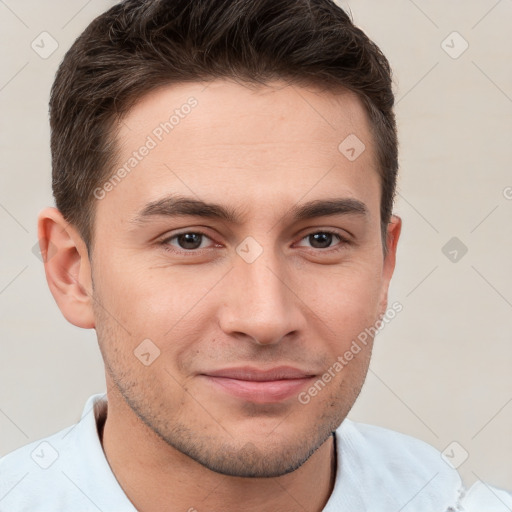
(259, 302)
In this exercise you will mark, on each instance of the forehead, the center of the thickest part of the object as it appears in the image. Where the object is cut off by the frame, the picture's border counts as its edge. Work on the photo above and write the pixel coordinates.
(223, 142)
(223, 111)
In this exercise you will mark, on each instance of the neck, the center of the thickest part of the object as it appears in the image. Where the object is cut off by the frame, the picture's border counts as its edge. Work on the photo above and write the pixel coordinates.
(156, 477)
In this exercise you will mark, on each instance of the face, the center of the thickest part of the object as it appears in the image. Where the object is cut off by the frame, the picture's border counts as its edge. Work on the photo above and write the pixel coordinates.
(235, 260)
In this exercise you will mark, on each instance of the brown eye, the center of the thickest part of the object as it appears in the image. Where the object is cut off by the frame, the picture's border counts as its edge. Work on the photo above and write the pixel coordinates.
(320, 240)
(187, 241)
(324, 240)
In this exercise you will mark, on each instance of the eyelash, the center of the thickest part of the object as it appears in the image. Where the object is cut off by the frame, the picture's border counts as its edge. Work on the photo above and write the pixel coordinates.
(167, 247)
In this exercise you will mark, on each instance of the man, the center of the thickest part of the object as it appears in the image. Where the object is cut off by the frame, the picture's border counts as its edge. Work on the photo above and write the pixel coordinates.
(224, 174)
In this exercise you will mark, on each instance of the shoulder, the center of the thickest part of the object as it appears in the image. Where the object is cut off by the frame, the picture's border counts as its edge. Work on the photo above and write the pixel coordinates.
(404, 472)
(64, 471)
(483, 497)
(396, 451)
(31, 470)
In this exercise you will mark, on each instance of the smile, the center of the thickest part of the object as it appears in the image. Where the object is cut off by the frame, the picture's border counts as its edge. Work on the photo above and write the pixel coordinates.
(260, 386)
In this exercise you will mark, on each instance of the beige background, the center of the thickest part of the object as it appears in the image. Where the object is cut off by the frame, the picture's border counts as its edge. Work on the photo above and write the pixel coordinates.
(442, 368)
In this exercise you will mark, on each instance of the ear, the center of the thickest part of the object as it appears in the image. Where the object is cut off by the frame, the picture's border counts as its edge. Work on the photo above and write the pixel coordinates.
(67, 267)
(393, 234)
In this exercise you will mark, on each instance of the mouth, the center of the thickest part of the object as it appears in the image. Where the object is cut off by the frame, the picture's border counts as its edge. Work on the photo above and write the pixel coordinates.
(260, 385)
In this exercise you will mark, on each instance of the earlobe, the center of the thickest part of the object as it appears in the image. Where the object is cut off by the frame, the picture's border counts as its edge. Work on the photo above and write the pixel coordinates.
(67, 267)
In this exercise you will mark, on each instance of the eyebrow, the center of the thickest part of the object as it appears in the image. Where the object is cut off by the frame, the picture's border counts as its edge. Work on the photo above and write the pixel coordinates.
(176, 205)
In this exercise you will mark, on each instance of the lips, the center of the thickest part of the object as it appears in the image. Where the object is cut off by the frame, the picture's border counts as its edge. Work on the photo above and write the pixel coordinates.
(259, 375)
(260, 385)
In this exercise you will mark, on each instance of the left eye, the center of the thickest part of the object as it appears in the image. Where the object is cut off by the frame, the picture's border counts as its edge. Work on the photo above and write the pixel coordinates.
(322, 239)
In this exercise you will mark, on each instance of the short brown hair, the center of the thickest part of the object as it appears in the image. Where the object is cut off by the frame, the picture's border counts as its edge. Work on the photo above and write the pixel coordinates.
(139, 45)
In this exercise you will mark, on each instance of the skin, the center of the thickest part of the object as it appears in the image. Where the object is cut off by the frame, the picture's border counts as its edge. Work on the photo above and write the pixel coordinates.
(174, 440)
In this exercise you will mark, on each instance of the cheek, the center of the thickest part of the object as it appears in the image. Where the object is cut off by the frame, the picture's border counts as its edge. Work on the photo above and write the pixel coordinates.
(346, 298)
(170, 307)
(150, 300)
